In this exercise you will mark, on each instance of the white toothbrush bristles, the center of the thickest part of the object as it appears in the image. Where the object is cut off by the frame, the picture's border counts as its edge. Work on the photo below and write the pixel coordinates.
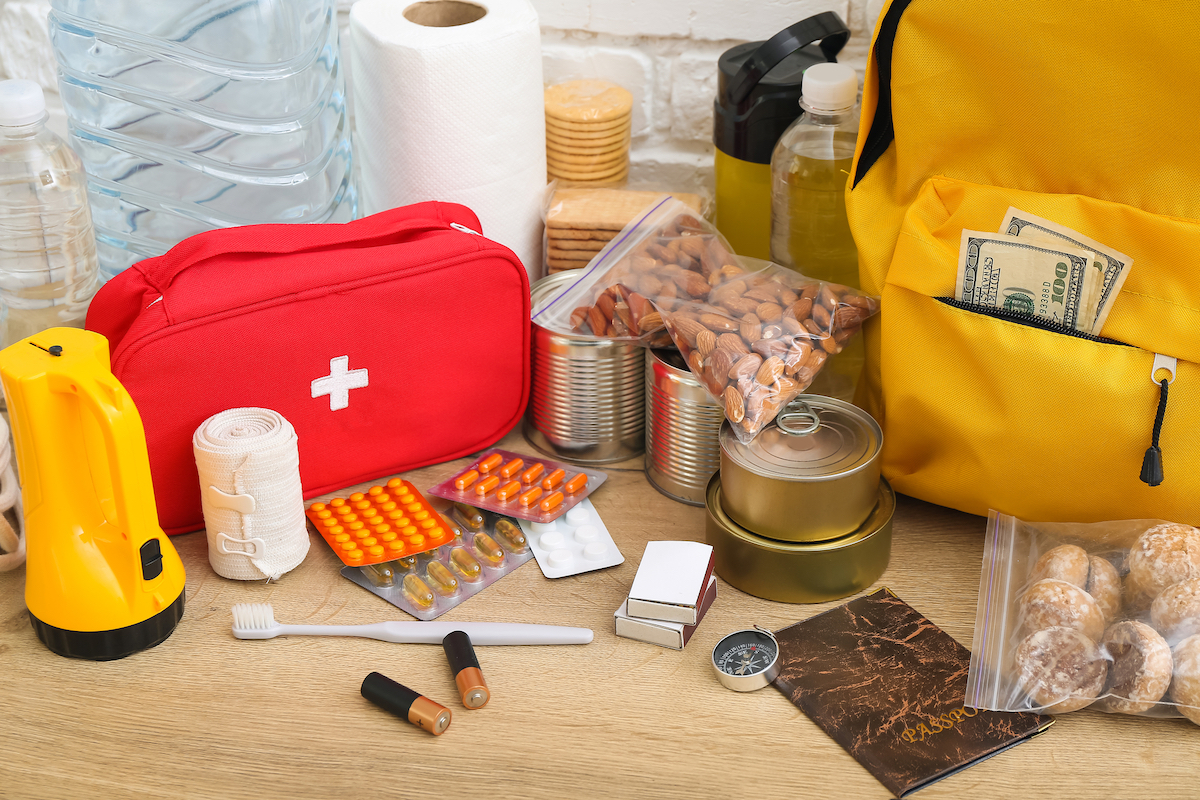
(253, 616)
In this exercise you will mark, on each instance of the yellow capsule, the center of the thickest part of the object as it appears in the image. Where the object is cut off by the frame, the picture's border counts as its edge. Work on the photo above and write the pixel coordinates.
(443, 581)
(406, 563)
(465, 564)
(455, 530)
(512, 534)
(317, 507)
(418, 592)
(380, 575)
(471, 517)
(486, 546)
(337, 501)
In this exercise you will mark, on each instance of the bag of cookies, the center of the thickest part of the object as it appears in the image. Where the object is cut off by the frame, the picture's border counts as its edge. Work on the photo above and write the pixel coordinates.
(1099, 615)
(755, 333)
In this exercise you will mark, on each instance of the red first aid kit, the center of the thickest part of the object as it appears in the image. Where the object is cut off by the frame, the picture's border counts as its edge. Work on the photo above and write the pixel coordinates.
(389, 343)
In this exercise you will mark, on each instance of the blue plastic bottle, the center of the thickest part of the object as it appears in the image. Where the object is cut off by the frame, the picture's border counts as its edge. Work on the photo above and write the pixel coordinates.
(198, 114)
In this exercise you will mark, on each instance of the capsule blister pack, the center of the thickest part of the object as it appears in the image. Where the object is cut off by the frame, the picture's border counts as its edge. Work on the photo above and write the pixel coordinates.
(524, 487)
(576, 542)
(429, 584)
(382, 524)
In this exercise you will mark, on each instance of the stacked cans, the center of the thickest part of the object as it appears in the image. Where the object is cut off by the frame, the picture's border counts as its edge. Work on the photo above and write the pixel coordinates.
(800, 514)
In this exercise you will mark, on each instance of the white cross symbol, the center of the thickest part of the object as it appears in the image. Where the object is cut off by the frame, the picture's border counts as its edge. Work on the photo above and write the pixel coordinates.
(338, 383)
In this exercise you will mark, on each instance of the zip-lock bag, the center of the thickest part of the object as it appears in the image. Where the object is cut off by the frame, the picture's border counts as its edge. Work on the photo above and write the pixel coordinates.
(1071, 112)
(389, 343)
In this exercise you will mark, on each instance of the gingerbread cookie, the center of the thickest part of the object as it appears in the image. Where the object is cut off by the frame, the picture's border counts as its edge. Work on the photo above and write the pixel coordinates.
(1176, 610)
(1061, 669)
(1054, 603)
(1141, 667)
(1164, 555)
(1104, 585)
(1064, 563)
(1185, 687)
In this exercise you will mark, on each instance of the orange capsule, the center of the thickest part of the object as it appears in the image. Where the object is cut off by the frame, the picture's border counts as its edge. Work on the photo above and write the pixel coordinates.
(530, 497)
(533, 473)
(577, 483)
(487, 484)
(552, 480)
(512, 468)
(466, 479)
(491, 462)
(317, 507)
(395, 483)
(354, 498)
(337, 501)
(374, 490)
(551, 501)
(508, 491)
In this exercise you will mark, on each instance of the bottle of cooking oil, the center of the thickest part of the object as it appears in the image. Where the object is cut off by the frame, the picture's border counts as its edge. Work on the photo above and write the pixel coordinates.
(809, 229)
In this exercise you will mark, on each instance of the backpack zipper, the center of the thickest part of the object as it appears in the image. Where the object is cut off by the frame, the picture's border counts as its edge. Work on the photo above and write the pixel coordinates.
(1026, 319)
(1152, 469)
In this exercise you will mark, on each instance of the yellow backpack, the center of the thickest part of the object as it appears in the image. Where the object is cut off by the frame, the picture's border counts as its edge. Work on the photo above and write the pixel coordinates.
(1082, 113)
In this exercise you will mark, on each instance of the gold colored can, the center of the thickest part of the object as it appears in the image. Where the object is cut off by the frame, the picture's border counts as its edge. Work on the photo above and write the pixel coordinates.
(811, 476)
(800, 572)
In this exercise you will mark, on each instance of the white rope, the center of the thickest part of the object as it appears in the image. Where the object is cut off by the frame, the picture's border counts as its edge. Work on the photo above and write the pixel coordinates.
(250, 489)
(12, 542)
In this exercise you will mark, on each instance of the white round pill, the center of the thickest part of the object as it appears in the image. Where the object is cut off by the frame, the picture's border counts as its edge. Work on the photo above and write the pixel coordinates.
(578, 515)
(587, 533)
(551, 540)
(560, 558)
(595, 551)
(545, 527)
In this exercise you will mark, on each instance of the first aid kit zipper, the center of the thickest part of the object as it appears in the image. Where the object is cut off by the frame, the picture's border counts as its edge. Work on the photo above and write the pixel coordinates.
(1152, 467)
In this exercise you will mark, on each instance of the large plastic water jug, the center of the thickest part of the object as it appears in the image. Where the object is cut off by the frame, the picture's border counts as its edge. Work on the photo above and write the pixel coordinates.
(198, 114)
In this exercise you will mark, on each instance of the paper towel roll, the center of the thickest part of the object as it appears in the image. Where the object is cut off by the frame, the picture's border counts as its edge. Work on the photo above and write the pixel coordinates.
(449, 106)
(250, 491)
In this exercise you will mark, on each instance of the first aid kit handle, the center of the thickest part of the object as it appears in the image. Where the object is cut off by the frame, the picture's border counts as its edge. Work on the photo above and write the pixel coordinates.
(826, 27)
(293, 238)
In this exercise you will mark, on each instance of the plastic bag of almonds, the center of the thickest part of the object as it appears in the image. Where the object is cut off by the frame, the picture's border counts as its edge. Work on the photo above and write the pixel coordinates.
(755, 333)
(1101, 615)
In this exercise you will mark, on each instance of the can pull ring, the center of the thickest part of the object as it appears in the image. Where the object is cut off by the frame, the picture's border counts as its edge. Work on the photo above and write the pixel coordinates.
(798, 419)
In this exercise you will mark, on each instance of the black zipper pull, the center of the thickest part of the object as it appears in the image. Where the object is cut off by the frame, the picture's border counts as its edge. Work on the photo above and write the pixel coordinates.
(1152, 468)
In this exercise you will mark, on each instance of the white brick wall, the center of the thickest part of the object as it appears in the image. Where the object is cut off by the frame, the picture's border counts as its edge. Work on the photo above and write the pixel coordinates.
(664, 51)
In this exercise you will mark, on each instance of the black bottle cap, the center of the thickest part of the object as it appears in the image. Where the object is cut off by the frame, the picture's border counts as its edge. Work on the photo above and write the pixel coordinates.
(759, 85)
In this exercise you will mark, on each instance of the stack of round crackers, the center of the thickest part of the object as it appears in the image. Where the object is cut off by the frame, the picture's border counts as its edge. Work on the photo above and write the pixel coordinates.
(587, 131)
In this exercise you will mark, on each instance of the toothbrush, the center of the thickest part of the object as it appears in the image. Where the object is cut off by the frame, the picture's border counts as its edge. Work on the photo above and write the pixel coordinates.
(257, 621)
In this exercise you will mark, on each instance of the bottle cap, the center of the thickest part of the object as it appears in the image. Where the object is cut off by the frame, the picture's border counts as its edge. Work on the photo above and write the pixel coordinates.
(830, 87)
(21, 102)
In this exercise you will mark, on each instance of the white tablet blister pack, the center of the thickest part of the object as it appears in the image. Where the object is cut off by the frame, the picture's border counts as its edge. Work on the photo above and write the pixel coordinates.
(576, 542)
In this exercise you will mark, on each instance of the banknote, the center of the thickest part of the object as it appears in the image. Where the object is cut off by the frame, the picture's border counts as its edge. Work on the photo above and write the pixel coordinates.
(1114, 265)
(1057, 283)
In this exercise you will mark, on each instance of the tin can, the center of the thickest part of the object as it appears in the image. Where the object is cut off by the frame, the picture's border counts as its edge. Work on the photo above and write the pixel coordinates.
(810, 476)
(683, 426)
(800, 572)
(586, 402)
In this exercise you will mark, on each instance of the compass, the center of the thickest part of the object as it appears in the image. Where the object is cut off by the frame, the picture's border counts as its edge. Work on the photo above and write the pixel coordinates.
(746, 660)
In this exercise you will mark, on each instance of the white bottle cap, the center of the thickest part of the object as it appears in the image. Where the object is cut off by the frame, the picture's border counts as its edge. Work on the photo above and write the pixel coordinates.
(830, 87)
(21, 102)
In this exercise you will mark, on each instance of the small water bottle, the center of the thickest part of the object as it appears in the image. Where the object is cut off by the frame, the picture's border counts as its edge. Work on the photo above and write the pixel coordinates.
(48, 266)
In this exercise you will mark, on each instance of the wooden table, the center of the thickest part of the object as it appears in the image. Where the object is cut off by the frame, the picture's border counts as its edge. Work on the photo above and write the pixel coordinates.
(207, 715)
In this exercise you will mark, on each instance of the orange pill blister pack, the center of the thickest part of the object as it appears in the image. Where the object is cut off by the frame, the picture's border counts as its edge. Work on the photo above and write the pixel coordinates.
(521, 486)
(382, 524)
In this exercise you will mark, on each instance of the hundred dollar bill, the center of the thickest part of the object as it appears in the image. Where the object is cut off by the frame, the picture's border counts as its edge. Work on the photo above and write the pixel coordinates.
(1056, 283)
(1115, 266)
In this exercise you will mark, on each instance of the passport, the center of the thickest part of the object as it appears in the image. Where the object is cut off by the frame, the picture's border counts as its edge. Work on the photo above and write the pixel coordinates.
(888, 686)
